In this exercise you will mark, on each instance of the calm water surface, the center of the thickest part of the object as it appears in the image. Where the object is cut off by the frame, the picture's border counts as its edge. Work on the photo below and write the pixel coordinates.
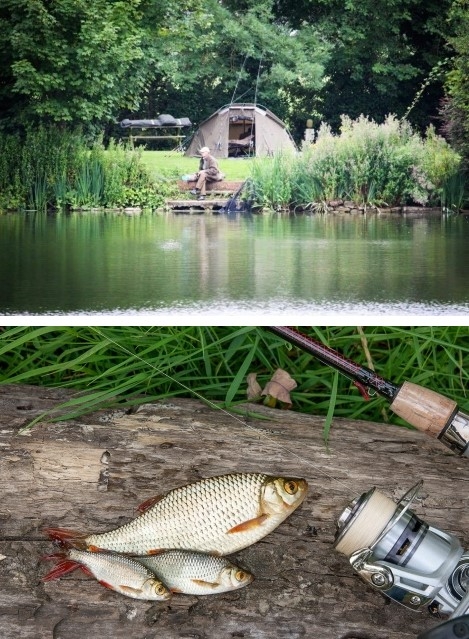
(167, 265)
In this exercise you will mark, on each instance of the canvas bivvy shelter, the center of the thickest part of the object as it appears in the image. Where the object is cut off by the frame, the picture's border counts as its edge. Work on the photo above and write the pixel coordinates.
(241, 129)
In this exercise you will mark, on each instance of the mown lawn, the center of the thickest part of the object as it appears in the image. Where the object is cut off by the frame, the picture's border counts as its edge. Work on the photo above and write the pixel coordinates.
(175, 164)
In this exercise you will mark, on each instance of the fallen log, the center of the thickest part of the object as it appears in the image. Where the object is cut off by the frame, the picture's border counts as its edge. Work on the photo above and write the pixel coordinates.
(91, 474)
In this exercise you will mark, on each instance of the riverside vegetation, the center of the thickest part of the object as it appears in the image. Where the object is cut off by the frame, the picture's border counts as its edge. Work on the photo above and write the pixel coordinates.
(370, 164)
(129, 365)
(384, 165)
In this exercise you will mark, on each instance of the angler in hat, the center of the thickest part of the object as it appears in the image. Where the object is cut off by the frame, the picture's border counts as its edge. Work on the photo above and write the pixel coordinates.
(208, 171)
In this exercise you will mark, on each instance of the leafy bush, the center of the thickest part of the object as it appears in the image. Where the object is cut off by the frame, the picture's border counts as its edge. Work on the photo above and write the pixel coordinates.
(384, 164)
(55, 168)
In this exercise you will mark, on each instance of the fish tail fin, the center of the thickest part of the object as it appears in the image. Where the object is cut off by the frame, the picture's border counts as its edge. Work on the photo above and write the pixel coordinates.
(56, 555)
(62, 568)
(67, 538)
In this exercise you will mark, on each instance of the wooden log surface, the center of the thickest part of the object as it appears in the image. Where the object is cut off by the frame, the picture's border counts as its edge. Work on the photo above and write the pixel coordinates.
(91, 473)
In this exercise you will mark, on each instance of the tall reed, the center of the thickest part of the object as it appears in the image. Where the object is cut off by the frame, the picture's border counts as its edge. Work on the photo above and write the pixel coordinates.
(52, 167)
(271, 178)
(130, 364)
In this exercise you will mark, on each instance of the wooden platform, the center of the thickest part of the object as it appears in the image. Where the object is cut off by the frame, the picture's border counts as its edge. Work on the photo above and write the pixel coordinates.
(91, 473)
(211, 203)
(218, 194)
(229, 186)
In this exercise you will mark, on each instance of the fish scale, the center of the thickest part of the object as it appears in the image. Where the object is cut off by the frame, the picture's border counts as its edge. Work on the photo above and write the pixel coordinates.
(196, 573)
(117, 572)
(220, 515)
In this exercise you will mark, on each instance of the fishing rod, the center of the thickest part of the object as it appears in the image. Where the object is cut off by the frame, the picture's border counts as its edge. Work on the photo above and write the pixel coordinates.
(428, 411)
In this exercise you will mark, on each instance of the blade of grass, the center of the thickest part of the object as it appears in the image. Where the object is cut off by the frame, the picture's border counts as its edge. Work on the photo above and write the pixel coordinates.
(331, 409)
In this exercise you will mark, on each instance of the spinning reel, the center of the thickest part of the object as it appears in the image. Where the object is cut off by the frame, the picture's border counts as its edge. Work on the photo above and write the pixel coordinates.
(400, 555)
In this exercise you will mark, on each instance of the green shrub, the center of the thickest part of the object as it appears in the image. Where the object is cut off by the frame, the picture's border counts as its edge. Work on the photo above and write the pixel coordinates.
(55, 168)
(272, 182)
(384, 164)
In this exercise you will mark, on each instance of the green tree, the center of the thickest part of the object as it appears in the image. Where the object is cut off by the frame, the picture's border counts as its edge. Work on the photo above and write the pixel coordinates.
(212, 53)
(456, 109)
(70, 61)
(382, 54)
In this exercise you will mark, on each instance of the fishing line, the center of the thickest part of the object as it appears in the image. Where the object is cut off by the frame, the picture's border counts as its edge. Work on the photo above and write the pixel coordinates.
(239, 78)
(258, 76)
(219, 408)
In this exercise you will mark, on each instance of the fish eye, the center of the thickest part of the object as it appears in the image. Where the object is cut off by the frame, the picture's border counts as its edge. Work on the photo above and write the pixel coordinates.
(240, 575)
(291, 487)
(160, 589)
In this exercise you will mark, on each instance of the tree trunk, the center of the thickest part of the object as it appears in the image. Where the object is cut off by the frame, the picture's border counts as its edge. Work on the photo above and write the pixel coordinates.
(91, 473)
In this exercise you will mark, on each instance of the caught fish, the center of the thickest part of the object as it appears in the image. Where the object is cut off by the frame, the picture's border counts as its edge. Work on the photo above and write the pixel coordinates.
(117, 572)
(218, 515)
(195, 573)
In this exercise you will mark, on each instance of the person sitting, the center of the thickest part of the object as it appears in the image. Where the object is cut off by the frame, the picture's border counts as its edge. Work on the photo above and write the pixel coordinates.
(208, 172)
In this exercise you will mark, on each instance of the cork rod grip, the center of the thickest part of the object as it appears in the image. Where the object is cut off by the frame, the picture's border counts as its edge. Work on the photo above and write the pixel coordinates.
(428, 411)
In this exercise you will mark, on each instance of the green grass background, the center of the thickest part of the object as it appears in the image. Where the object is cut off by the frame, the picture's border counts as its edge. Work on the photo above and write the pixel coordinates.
(129, 365)
(175, 164)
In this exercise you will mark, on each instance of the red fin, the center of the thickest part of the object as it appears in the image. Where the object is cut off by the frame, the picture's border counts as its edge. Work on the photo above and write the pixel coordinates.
(155, 551)
(147, 504)
(247, 525)
(67, 538)
(56, 555)
(86, 570)
(106, 585)
(62, 568)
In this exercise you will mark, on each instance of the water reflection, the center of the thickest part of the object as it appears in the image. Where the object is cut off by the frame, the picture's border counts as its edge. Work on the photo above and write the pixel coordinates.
(162, 263)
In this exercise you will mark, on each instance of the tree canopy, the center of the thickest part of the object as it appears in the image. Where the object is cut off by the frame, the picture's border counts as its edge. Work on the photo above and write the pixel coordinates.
(79, 63)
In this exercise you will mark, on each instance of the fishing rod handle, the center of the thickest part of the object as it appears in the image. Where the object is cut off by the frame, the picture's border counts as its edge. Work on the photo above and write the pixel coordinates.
(433, 414)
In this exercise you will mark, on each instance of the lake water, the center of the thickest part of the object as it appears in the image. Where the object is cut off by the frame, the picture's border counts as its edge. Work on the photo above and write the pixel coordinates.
(176, 268)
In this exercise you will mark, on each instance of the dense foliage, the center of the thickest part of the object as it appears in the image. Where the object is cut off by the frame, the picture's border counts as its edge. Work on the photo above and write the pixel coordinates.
(55, 168)
(74, 62)
(69, 61)
(129, 365)
(456, 108)
(367, 163)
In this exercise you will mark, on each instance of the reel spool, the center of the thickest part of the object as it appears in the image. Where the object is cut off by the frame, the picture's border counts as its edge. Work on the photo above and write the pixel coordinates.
(400, 555)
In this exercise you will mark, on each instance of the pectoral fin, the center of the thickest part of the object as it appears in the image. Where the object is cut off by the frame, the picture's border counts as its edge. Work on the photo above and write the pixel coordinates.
(129, 590)
(206, 584)
(249, 525)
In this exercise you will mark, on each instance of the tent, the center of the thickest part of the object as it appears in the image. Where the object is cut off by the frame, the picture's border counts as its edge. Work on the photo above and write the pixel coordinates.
(241, 129)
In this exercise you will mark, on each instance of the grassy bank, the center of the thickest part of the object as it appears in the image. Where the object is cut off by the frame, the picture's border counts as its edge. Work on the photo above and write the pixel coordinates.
(174, 164)
(367, 163)
(129, 365)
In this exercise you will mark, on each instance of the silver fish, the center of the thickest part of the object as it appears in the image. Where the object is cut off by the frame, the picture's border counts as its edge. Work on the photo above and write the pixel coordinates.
(218, 515)
(117, 572)
(195, 573)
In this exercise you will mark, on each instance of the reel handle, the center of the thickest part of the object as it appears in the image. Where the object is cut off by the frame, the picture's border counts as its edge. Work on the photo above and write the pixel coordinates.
(452, 629)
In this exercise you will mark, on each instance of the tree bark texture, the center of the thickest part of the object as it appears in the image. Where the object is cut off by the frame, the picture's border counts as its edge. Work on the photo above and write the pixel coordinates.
(90, 474)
